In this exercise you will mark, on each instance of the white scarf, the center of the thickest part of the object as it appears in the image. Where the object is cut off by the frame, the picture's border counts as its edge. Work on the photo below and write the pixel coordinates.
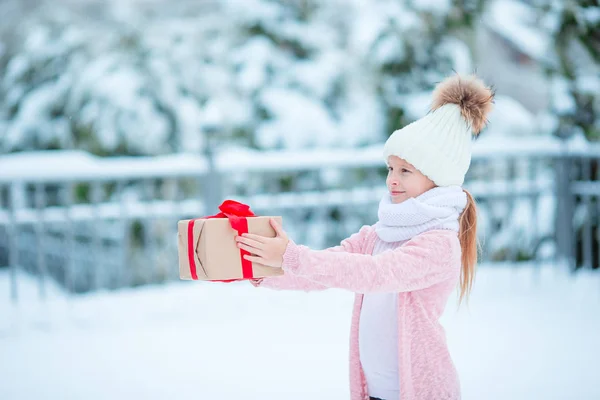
(438, 208)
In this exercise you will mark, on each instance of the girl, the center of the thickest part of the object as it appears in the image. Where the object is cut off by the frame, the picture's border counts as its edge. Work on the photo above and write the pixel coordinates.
(403, 268)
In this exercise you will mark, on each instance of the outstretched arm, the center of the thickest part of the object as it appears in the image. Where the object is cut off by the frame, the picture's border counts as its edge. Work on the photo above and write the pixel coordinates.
(425, 260)
(289, 281)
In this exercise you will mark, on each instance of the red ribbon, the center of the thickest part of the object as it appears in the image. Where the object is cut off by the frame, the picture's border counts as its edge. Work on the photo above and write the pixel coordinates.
(236, 213)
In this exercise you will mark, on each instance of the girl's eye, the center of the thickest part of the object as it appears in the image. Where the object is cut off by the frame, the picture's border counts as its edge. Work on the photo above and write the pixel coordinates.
(405, 170)
(390, 168)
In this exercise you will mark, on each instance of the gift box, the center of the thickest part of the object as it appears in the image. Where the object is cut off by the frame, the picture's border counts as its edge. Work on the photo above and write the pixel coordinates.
(207, 247)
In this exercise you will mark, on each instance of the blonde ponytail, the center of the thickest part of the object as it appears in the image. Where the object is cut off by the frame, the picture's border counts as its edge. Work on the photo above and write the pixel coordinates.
(469, 245)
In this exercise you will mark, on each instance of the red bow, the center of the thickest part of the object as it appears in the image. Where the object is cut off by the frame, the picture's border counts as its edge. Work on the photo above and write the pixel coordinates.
(232, 208)
(236, 212)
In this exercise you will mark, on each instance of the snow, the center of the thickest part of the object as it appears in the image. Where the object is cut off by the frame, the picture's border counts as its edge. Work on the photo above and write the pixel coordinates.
(189, 120)
(515, 188)
(120, 87)
(517, 21)
(148, 82)
(288, 160)
(562, 100)
(588, 84)
(361, 115)
(60, 165)
(459, 53)
(538, 146)
(107, 211)
(254, 55)
(77, 165)
(359, 196)
(119, 108)
(390, 49)
(319, 35)
(416, 104)
(34, 116)
(15, 69)
(442, 7)
(368, 25)
(318, 75)
(287, 129)
(527, 332)
(252, 11)
(133, 208)
(510, 118)
(591, 14)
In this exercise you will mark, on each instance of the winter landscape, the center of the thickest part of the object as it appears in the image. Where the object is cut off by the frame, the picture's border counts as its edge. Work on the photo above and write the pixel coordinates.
(118, 118)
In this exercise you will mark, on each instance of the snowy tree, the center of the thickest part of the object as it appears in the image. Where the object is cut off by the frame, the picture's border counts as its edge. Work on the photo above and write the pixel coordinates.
(89, 86)
(575, 72)
(152, 78)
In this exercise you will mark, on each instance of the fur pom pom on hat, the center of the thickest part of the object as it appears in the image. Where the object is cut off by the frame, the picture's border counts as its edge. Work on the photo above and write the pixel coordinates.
(439, 144)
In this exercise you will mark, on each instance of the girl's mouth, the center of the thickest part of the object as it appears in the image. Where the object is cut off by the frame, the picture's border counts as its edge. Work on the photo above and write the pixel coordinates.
(396, 192)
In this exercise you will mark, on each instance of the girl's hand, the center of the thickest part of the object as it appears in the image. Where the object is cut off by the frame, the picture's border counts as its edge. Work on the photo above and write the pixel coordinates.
(265, 250)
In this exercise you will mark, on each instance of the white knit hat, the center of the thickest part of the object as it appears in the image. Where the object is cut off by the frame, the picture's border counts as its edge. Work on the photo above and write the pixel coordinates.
(439, 144)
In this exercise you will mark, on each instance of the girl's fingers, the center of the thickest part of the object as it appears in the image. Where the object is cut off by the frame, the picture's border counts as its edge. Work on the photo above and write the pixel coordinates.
(251, 250)
(257, 238)
(250, 241)
(278, 229)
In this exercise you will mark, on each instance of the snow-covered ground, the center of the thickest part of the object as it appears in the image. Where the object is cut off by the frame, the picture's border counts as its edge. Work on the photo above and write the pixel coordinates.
(526, 334)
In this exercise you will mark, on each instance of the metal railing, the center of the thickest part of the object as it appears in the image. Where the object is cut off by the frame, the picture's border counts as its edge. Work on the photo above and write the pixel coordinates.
(93, 223)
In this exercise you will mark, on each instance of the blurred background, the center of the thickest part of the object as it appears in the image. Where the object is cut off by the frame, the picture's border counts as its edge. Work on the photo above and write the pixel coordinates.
(119, 118)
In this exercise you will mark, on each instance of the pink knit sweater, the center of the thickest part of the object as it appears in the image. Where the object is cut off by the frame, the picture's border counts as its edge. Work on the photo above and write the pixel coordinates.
(424, 271)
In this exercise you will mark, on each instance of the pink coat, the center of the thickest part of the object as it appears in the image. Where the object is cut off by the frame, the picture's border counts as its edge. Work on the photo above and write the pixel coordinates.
(424, 271)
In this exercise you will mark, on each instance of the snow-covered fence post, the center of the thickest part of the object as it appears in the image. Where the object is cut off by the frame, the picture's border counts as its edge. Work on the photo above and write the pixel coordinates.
(13, 244)
(587, 233)
(40, 237)
(564, 232)
(67, 200)
(96, 245)
(125, 275)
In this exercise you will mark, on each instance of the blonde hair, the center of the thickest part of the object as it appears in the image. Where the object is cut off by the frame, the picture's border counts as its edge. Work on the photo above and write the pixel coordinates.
(469, 246)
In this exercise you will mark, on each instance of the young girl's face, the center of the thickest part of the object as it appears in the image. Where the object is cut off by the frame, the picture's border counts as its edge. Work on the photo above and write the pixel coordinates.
(405, 181)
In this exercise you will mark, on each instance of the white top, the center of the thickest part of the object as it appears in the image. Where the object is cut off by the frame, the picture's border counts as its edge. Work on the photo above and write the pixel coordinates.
(378, 340)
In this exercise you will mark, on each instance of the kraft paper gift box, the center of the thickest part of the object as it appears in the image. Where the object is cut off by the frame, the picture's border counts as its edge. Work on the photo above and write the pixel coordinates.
(207, 247)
